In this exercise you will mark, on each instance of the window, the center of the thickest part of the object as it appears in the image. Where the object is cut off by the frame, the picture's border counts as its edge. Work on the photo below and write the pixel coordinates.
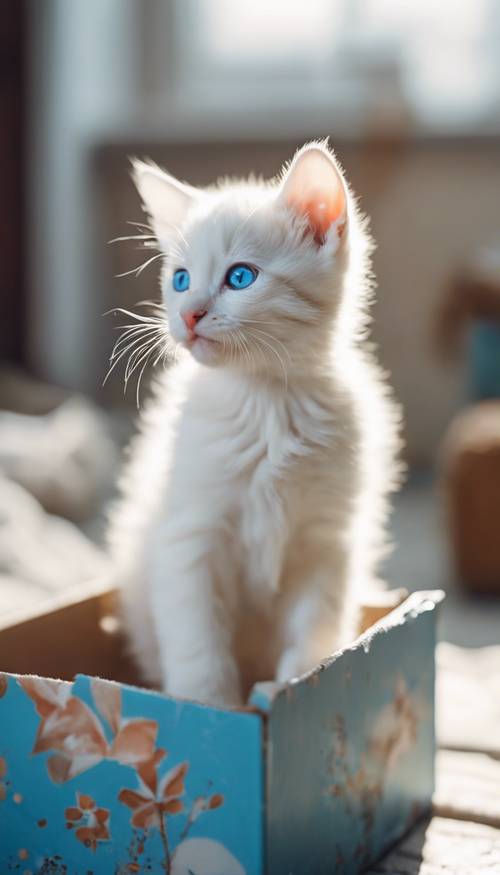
(438, 60)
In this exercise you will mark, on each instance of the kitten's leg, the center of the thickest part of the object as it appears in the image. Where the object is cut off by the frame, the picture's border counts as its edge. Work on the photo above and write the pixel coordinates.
(193, 621)
(318, 617)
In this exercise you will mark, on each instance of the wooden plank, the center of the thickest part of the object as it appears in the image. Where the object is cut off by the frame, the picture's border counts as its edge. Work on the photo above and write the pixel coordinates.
(444, 846)
(468, 787)
(468, 698)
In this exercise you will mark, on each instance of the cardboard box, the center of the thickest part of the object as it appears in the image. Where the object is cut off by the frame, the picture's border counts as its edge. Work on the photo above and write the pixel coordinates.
(318, 776)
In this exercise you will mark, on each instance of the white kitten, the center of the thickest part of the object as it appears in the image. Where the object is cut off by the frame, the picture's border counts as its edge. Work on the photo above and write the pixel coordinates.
(255, 497)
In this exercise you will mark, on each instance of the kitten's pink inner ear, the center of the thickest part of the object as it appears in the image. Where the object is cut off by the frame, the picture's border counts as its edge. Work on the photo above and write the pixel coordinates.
(315, 190)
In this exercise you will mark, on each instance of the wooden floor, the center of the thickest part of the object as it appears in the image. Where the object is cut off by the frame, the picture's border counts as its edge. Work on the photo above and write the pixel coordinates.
(463, 835)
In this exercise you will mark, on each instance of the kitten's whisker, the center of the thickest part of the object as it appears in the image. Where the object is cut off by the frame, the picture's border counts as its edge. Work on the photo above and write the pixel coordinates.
(245, 348)
(142, 225)
(257, 321)
(146, 264)
(136, 356)
(147, 355)
(138, 387)
(250, 357)
(132, 237)
(251, 362)
(142, 246)
(270, 337)
(138, 270)
(141, 341)
(129, 349)
(265, 333)
(252, 346)
(163, 352)
(134, 327)
(130, 326)
(256, 346)
(130, 337)
(113, 363)
(149, 319)
(132, 361)
(276, 353)
(275, 339)
(136, 316)
(236, 340)
(159, 305)
(129, 340)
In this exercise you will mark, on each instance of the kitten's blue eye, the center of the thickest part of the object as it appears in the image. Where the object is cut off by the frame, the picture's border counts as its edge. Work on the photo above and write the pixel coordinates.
(180, 280)
(240, 276)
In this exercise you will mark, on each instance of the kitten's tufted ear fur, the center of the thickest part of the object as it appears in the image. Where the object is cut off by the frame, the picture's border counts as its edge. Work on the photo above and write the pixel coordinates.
(313, 188)
(164, 198)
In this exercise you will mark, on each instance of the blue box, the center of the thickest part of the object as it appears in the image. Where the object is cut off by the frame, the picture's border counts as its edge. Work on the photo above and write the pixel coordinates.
(318, 776)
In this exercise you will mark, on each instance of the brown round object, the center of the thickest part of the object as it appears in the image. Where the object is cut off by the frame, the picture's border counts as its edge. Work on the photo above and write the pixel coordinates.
(470, 462)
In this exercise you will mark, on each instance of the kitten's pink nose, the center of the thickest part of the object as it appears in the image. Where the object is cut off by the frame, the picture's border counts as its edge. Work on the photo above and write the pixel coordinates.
(191, 317)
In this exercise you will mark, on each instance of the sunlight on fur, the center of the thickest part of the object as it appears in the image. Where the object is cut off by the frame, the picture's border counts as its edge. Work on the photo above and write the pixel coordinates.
(254, 499)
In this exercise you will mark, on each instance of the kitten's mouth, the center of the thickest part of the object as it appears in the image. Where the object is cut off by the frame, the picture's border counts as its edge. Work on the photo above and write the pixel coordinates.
(200, 339)
(204, 349)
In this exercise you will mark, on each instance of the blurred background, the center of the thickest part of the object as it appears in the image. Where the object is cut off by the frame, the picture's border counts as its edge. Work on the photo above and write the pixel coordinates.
(409, 94)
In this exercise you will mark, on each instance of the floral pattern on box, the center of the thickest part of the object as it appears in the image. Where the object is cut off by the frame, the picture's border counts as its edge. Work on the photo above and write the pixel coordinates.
(92, 787)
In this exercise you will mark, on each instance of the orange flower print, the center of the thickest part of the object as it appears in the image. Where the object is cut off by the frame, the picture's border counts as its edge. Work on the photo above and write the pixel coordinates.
(69, 727)
(199, 806)
(91, 822)
(149, 808)
(208, 804)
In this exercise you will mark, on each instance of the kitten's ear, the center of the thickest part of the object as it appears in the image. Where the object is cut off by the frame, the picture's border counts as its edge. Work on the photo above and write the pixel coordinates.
(164, 198)
(313, 187)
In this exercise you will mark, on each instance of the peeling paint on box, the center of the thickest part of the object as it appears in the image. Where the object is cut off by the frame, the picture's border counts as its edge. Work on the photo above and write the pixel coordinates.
(363, 743)
(322, 775)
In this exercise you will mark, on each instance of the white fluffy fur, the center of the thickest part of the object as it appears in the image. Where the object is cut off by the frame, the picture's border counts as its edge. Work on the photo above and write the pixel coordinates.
(254, 500)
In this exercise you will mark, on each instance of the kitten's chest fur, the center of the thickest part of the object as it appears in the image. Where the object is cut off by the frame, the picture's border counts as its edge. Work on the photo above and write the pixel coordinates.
(270, 449)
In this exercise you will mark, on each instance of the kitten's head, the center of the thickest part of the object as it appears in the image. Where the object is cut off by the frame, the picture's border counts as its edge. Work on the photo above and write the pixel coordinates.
(253, 273)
